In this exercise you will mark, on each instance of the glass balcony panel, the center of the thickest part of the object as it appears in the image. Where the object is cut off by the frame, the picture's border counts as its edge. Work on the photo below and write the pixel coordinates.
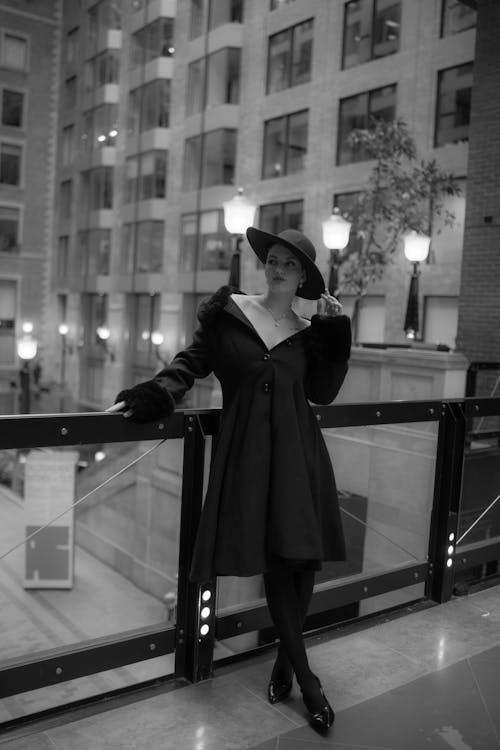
(107, 568)
(385, 482)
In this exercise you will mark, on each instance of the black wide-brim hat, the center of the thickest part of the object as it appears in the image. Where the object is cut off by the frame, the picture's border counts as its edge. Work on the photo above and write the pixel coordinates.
(301, 247)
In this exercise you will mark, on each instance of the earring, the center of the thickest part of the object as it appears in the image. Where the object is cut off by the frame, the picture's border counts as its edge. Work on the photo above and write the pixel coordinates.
(301, 283)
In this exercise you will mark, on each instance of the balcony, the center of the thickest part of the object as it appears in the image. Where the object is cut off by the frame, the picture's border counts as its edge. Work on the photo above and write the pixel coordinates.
(386, 630)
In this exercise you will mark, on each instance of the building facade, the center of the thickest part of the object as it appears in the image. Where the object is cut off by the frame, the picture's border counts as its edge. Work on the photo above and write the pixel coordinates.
(29, 69)
(167, 108)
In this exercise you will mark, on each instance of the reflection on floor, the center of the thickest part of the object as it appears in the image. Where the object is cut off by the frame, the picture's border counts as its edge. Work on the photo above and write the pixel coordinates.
(426, 680)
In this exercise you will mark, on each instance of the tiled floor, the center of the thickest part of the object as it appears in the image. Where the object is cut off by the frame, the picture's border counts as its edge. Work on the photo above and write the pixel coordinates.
(424, 681)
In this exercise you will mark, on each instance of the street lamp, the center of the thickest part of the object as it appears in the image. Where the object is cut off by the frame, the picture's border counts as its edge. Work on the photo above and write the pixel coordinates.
(336, 231)
(416, 249)
(103, 334)
(26, 349)
(239, 213)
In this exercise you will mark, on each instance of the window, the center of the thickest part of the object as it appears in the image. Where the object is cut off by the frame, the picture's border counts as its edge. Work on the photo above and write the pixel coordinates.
(196, 19)
(356, 111)
(205, 242)
(370, 323)
(66, 199)
(149, 106)
(371, 30)
(70, 92)
(275, 217)
(195, 87)
(103, 16)
(223, 80)
(145, 318)
(456, 17)
(12, 108)
(68, 145)
(143, 243)
(146, 176)
(285, 145)
(14, 51)
(71, 46)
(290, 57)
(62, 266)
(94, 252)
(10, 164)
(9, 229)
(453, 104)
(152, 41)
(96, 189)
(441, 320)
(102, 69)
(8, 307)
(225, 11)
(211, 156)
(99, 127)
(95, 314)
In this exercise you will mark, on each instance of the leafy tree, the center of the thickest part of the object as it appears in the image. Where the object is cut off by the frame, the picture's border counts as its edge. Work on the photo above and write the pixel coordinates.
(402, 193)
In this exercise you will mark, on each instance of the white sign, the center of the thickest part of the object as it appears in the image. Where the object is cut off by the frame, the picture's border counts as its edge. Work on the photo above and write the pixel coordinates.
(49, 488)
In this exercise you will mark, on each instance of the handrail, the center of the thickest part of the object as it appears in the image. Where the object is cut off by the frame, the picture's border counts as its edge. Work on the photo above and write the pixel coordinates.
(194, 654)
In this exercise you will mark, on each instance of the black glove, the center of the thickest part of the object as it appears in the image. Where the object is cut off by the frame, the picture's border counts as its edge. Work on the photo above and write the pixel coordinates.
(147, 401)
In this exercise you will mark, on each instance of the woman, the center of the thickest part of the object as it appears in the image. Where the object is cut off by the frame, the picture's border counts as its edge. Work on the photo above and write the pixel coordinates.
(271, 505)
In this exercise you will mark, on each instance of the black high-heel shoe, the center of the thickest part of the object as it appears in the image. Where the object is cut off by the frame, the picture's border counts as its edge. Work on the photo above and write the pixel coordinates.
(323, 719)
(278, 691)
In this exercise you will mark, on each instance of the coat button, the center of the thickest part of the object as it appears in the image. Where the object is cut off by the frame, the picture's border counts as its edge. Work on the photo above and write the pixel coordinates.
(288, 342)
(266, 387)
(266, 357)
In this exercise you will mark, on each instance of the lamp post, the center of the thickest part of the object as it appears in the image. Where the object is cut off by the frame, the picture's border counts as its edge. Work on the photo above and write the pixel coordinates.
(26, 350)
(239, 213)
(416, 250)
(336, 231)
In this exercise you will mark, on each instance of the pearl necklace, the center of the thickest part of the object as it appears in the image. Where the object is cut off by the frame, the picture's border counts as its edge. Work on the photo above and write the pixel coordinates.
(277, 321)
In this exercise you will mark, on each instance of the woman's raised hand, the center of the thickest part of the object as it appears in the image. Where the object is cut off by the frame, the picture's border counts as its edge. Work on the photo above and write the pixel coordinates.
(328, 305)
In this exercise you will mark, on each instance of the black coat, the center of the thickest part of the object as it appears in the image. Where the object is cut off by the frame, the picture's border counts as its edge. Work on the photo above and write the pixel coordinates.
(271, 489)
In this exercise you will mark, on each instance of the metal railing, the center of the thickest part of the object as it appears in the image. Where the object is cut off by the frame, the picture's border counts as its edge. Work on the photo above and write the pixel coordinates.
(193, 650)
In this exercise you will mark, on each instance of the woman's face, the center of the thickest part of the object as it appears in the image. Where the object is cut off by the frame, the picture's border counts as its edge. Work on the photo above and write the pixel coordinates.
(283, 270)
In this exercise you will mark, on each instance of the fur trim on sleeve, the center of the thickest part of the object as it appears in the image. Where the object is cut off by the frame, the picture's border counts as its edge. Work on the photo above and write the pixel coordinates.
(147, 401)
(211, 306)
(331, 337)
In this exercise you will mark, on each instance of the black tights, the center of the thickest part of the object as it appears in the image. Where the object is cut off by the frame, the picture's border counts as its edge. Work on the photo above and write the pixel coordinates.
(288, 594)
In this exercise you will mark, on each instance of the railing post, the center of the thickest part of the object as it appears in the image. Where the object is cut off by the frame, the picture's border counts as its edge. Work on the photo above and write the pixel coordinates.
(446, 502)
(194, 647)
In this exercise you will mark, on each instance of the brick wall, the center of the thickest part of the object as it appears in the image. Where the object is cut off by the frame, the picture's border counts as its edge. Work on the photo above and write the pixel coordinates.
(479, 306)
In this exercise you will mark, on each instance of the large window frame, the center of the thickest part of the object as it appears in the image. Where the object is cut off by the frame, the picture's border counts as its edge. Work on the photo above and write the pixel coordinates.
(20, 107)
(14, 166)
(10, 240)
(102, 69)
(154, 40)
(207, 87)
(376, 30)
(5, 34)
(461, 105)
(9, 300)
(99, 127)
(208, 163)
(289, 57)
(286, 161)
(144, 183)
(350, 156)
(143, 244)
(149, 106)
(456, 17)
(206, 245)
